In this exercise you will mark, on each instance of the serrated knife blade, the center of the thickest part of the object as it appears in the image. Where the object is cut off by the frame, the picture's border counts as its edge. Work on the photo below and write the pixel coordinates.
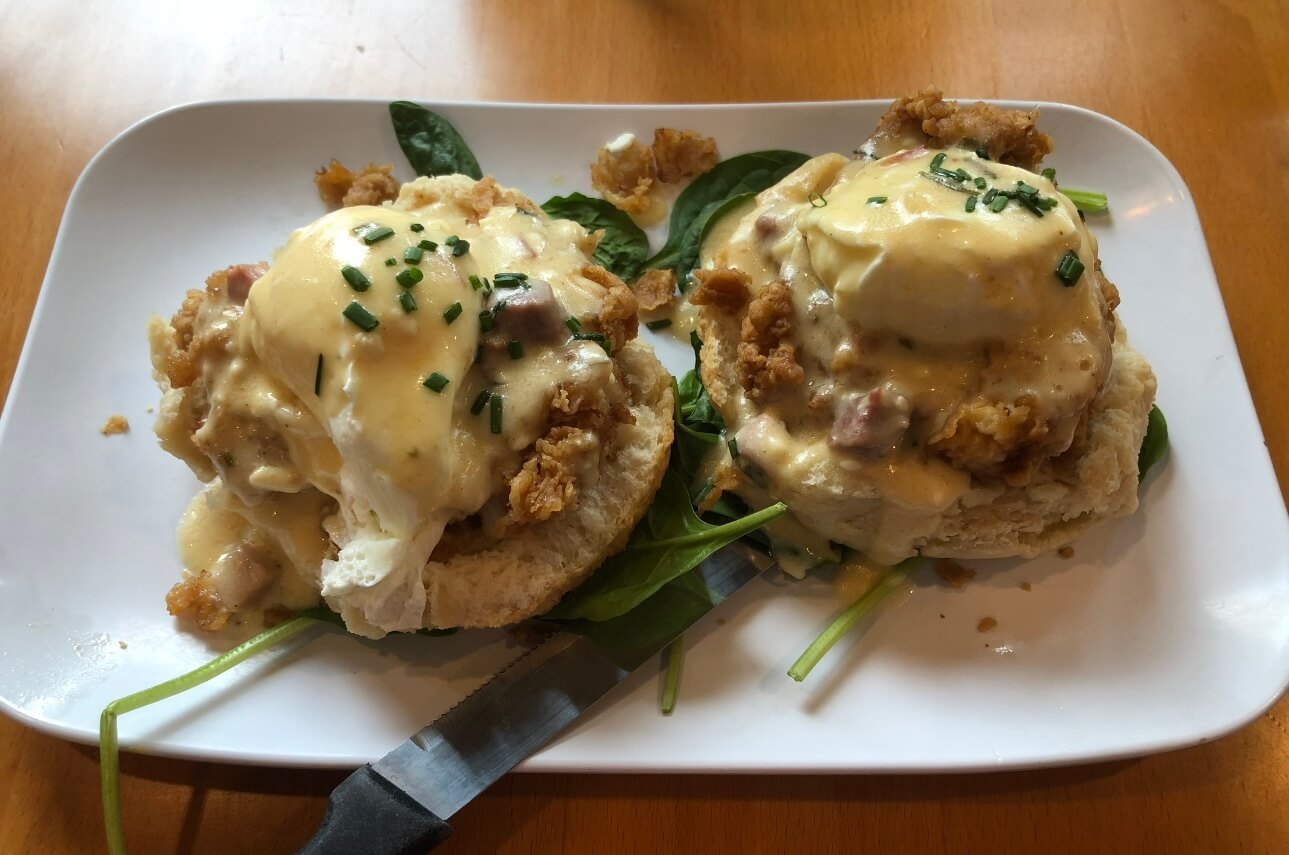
(399, 804)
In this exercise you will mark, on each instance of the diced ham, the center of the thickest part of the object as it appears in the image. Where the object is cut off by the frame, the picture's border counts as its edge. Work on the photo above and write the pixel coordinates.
(241, 277)
(531, 314)
(872, 423)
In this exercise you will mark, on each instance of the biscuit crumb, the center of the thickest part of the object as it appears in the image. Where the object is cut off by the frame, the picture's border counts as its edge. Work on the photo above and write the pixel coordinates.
(954, 573)
(1066, 552)
(122, 645)
(986, 624)
(114, 425)
(1025, 586)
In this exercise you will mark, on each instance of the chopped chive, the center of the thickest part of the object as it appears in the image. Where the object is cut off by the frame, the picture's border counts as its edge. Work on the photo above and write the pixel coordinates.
(485, 321)
(428, 245)
(990, 195)
(506, 280)
(876, 200)
(573, 324)
(980, 183)
(476, 284)
(317, 377)
(409, 276)
(588, 336)
(376, 235)
(817, 200)
(961, 174)
(480, 402)
(1029, 202)
(407, 301)
(733, 446)
(1070, 268)
(495, 406)
(451, 313)
(478, 354)
(982, 152)
(360, 317)
(938, 161)
(660, 324)
(417, 227)
(515, 348)
(1082, 217)
(390, 262)
(451, 240)
(413, 255)
(971, 202)
(460, 248)
(1000, 202)
(1049, 174)
(1047, 203)
(436, 382)
(355, 277)
(522, 277)
(1025, 189)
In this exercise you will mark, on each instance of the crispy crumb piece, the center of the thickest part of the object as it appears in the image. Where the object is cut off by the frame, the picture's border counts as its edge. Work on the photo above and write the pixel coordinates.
(122, 645)
(766, 355)
(624, 177)
(986, 624)
(654, 289)
(1025, 586)
(114, 425)
(1066, 552)
(340, 187)
(954, 573)
(724, 480)
(195, 597)
(682, 154)
(724, 287)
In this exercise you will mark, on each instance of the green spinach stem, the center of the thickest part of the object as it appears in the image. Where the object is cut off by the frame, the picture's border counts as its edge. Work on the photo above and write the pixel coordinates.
(675, 655)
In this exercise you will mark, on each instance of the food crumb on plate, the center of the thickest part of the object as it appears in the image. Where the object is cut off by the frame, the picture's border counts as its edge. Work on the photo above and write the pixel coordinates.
(114, 425)
(1025, 586)
(122, 645)
(1066, 552)
(986, 624)
(954, 573)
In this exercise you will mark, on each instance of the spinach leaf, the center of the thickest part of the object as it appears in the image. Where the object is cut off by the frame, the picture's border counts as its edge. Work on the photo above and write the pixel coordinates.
(658, 619)
(432, 145)
(623, 246)
(693, 404)
(669, 542)
(1155, 443)
(705, 197)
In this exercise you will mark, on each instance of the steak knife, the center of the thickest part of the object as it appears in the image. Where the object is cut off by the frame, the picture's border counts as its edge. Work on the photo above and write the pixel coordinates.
(400, 804)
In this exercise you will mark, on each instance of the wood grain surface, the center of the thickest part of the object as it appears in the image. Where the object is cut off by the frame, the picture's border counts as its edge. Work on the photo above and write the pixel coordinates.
(1206, 80)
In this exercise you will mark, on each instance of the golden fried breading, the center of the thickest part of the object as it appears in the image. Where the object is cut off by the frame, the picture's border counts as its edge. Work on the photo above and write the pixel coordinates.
(991, 438)
(547, 483)
(196, 597)
(1011, 136)
(654, 289)
(114, 425)
(617, 320)
(488, 194)
(723, 480)
(625, 177)
(340, 187)
(682, 154)
(766, 358)
(723, 287)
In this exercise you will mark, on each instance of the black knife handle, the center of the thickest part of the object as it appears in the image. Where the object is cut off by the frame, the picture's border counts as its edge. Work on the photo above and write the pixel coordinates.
(367, 814)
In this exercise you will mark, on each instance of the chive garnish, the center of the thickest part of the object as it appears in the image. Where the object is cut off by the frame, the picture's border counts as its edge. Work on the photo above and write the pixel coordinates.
(1025, 189)
(1028, 201)
(409, 276)
(981, 183)
(407, 301)
(480, 402)
(573, 324)
(485, 321)
(435, 382)
(733, 446)
(476, 283)
(376, 234)
(1070, 268)
(817, 200)
(451, 240)
(460, 248)
(360, 317)
(428, 245)
(478, 354)
(661, 324)
(971, 202)
(876, 200)
(515, 348)
(982, 152)
(317, 377)
(355, 277)
(510, 280)
(417, 227)
(495, 405)
(1047, 203)
(1049, 174)
(390, 262)
(413, 255)
(451, 313)
(588, 336)
(1000, 202)
(990, 195)
(938, 161)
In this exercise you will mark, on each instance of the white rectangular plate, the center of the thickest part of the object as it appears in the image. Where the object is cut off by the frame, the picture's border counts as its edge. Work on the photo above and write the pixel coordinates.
(1167, 629)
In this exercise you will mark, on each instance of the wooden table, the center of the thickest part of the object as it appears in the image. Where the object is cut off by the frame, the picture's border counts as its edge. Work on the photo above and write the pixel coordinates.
(1206, 81)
